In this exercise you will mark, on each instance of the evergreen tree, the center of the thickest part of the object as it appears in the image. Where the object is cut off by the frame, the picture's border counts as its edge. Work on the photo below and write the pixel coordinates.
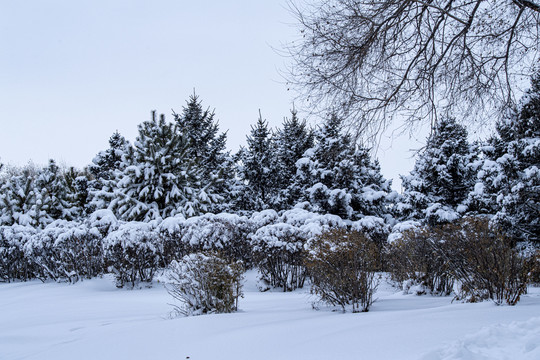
(77, 194)
(51, 195)
(509, 180)
(201, 131)
(105, 168)
(255, 170)
(207, 149)
(291, 142)
(17, 196)
(160, 179)
(443, 176)
(335, 176)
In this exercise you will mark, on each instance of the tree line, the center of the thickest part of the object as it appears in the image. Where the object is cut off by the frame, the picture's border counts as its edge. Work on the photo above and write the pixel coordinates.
(284, 203)
(182, 167)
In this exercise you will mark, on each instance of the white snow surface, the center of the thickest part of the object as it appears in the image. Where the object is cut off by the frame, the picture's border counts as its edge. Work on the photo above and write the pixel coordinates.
(94, 320)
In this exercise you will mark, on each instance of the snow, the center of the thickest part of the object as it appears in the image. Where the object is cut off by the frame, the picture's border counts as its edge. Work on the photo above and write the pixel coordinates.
(400, 228)
(94, 320)
(516, 340)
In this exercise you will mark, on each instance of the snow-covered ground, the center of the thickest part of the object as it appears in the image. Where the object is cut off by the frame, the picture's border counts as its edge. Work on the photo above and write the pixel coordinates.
(94, 320)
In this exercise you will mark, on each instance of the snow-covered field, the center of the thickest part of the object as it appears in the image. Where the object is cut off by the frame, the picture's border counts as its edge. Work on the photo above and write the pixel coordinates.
(94, 320)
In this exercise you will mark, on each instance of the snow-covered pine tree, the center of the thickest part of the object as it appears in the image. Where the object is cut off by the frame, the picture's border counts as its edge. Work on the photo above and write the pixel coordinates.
(256, 165)
(291, 142)
(337, 177)
(77, 194)
(51, 196)
(17, 196)
(509, 180)
(207, 149)
(105, 168)
(159, 178)
(442, 177)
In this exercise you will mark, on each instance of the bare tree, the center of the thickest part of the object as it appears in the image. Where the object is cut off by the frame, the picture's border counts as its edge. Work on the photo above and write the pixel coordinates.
(372, 60)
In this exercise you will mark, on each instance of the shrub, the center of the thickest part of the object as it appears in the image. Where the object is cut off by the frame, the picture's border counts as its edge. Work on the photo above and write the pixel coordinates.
(78, 252)
(485, 261)
(14, 264)
(278, 251)
(223, 233)
(67, 250)
(342, 267)
(376, 230)
(205, 283)
(170, 234)
(132, 252)
(535, 271)
(418, 256)
(40, 253)
(480, 258)
(278, 244)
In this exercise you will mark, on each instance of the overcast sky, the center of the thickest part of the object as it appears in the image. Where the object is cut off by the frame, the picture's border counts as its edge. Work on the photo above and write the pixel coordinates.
(73, 72)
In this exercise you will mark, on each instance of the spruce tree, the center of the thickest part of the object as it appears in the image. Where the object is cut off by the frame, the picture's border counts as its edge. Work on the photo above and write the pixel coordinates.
(336, 176)
(207, 149)
(291, 142)
(437, 188)
(256, 169)
(105, 169)
(509, 180)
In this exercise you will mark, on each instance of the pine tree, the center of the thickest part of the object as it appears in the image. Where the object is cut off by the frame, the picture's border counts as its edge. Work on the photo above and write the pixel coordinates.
(255, 170)
(337, 177)
(159, 178)
(443, 176)
(17, 196)
(51, 195)
(77, 194)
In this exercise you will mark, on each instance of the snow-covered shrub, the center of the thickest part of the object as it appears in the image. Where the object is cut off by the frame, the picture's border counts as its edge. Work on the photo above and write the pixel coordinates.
(479, 258)
(68, 251)
(41, 254)
(205, 283)
(419, 257)
(400, 228)
(62, 251)
(263, 218)
(14, 264)
(133, 252)
(376, 230)
(103, 221)
(342, 267)
(279, 242)
(485, 262)
(278, 251)
(311, 223)
(224, 233)
(170, 233)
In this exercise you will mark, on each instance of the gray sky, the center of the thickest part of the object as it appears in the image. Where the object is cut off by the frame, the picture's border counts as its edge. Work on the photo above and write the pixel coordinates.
(73, 72)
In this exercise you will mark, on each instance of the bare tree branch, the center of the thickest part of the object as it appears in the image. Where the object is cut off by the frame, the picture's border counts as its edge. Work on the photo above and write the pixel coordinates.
(372, 60)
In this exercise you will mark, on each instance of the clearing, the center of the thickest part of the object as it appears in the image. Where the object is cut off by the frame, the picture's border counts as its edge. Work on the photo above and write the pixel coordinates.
(94, 320)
